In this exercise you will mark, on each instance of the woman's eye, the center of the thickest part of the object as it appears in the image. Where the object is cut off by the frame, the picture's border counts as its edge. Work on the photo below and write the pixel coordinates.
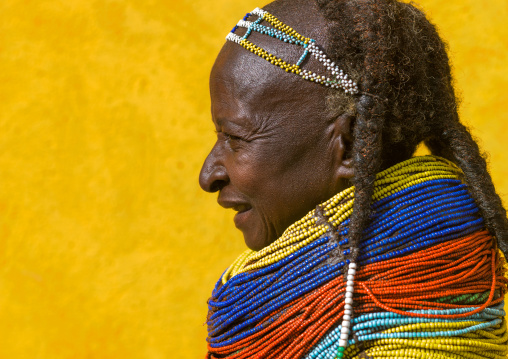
(230, 137)
(232, 140)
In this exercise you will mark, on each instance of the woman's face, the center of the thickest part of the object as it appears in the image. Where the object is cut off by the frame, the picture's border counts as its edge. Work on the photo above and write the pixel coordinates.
(276, 153)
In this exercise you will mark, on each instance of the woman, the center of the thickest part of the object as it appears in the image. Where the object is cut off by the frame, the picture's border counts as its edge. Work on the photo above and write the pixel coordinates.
(410, 267)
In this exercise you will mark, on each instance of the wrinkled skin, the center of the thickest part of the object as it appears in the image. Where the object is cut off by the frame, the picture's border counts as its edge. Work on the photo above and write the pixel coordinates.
(279, 152)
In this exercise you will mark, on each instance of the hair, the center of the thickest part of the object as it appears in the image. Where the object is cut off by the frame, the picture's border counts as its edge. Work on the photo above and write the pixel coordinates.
(407, 97)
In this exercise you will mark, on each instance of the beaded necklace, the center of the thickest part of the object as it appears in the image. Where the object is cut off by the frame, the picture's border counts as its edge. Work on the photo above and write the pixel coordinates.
(428, 280)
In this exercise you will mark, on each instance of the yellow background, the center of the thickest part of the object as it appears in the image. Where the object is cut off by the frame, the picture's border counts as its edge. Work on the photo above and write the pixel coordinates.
(108, 247)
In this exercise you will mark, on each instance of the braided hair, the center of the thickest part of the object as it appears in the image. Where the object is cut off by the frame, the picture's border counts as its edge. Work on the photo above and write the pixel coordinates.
(407, 98)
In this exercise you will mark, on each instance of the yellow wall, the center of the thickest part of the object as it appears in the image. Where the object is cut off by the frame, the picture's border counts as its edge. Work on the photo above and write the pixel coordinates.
(108, 247)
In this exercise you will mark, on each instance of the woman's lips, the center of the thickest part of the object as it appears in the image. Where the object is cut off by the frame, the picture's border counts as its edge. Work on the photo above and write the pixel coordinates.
(242, 216)
(241, 207)
(244, 209)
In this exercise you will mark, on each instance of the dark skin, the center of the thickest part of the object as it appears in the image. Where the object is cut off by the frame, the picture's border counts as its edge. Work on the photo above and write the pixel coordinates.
(279, 152)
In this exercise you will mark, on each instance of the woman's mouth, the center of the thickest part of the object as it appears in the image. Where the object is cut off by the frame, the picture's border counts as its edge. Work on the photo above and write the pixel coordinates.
(242, 216)
(241, 208)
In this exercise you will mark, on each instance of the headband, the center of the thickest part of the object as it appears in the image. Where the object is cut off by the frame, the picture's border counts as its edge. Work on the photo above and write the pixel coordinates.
(335, 78)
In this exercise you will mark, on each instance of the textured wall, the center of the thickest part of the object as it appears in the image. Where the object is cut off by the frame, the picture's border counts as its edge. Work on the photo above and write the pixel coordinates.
(108, 248)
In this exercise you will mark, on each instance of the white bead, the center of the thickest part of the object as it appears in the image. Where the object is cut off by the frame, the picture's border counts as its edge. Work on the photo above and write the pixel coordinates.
(350, 277)
(346, 324)
(346, 317)
(349, 295)
(349, 300)
(259, 12)
(344, 336)
(243, 23)
(342, 343)
(348, 312)
(351, 271)
(352, 265)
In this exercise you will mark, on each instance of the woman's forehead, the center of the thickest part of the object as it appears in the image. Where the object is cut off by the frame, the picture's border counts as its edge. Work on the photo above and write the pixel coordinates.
(246, 70)
(249, 70)
(244, 75)
(241, 95)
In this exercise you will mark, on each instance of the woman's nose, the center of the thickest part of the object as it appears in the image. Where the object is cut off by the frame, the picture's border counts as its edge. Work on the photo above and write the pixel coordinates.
(213, 176)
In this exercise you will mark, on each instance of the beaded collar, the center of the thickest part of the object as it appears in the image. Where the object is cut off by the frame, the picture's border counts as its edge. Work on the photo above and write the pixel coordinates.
(428, 281)
(333, 77)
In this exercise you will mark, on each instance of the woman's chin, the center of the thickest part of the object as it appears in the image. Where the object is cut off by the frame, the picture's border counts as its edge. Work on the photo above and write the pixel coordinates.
(256, 233)
(255, 239)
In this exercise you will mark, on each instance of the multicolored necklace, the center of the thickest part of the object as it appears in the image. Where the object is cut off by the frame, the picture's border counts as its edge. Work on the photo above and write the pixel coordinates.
(428, 280)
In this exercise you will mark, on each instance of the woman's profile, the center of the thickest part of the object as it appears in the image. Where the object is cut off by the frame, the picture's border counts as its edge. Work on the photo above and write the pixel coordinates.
(357, 248)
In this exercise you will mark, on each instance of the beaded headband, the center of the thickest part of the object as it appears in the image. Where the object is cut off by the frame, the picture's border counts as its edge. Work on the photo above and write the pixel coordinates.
(337, 79)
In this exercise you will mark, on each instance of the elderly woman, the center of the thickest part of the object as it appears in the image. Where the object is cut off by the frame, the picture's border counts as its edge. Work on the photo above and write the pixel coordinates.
(357, 249)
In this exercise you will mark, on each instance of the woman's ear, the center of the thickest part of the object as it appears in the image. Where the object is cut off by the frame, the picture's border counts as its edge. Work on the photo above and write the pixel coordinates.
(342, 147)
